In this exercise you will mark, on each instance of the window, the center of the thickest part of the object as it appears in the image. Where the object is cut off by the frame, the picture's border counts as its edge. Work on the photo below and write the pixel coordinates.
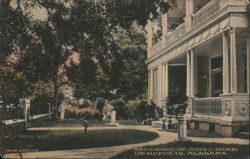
(242, 67)
(216, 76)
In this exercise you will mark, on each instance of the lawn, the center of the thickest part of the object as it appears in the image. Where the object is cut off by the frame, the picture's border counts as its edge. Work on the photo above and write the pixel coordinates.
(187, 150)
(76, 123)
(63, 140)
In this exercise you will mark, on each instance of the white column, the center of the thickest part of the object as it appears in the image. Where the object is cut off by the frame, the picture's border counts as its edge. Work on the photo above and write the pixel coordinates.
(225, 64)
(163, 81)
(164, 27)
(233, 61)
(166, 81)
(149, 37)
(189, 8)
(192, 73)
(188, 74)
(150, 84)
(248, 58)
(189, 13)
(159, 90)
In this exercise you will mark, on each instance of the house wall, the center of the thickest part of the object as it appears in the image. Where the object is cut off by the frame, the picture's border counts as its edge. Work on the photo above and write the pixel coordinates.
(194, 40)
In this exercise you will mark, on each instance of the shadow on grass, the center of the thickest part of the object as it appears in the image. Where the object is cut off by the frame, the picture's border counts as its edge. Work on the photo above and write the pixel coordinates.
(64, 140)
(76, 123)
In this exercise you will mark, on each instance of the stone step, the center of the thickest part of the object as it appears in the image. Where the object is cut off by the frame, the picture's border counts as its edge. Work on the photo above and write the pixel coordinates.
(158, 124)
(243, 135)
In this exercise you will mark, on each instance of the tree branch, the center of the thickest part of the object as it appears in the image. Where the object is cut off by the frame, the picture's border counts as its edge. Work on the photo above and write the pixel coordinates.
(22, 15)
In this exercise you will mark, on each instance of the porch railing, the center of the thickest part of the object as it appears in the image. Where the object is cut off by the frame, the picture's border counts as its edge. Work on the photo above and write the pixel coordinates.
(207, 11)
(157, 47)
(207, 106)
(200, 17)
(177, 33)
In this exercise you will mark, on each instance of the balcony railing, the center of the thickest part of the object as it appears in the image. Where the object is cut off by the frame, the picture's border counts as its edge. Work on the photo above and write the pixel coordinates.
(205, 12)
(157, 47)
(201, 16)
(178, 32)
(207, 106)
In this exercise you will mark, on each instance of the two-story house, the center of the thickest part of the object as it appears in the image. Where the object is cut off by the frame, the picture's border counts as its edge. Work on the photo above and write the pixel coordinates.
(205, 51)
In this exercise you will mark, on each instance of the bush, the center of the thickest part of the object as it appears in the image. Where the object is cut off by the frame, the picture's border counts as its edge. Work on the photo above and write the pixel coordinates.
(147, 110)
(100, 103)
(86, 113)
(176, 103)
(84, 104)
(122, 110)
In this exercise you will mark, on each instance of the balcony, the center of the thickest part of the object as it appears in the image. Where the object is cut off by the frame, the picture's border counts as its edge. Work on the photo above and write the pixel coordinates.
(199, 19)
(207, 106)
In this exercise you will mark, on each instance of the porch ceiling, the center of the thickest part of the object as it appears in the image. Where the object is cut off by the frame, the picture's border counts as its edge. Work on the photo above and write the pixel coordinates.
(182, 60)
(210, 48)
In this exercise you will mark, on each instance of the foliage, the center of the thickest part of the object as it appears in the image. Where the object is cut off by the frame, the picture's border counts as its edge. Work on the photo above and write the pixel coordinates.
(147, 110)
(240, 151)
(86, 113)
(43, 49)
(131, 71)
(176, 102)
(10, 134)
(67, 140)
(13, 31)
(100, 103)
(122, 111)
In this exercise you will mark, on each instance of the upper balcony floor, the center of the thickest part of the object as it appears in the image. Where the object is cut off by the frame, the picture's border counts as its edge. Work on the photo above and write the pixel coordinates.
(188, 18)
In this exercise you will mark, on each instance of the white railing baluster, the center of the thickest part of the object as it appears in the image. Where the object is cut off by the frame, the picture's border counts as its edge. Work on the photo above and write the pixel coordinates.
(208, 106)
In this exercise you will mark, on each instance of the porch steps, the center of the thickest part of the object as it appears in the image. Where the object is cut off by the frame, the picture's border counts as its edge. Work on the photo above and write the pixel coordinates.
(244, 132)
(243, 135)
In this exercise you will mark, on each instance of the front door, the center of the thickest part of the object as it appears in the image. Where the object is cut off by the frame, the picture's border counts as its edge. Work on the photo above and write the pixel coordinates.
(216, 76)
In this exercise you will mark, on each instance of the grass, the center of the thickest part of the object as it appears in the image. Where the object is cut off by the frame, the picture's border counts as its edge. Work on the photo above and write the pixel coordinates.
(76, 123)
(64, 140)
(189, 150)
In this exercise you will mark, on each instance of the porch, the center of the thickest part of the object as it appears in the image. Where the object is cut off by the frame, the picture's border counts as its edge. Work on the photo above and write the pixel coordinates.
(212, 47)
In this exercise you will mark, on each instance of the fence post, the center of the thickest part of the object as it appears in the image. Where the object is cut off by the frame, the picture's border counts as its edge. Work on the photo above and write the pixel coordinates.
(25, 105)
(49, 110)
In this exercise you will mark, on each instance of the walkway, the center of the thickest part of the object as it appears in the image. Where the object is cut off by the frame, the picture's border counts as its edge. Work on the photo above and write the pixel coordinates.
(107, 152)
(10, 122)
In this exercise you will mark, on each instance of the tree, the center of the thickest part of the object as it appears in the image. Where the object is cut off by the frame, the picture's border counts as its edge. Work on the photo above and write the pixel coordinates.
(120, 58)
(88, 28)
(132, 81)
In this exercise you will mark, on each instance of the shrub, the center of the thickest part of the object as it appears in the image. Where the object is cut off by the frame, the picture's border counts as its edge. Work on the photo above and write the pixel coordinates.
(122, 110)
(147, 110)
(176, 103)
(84, 104)
(86, 113)
(100, 103)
